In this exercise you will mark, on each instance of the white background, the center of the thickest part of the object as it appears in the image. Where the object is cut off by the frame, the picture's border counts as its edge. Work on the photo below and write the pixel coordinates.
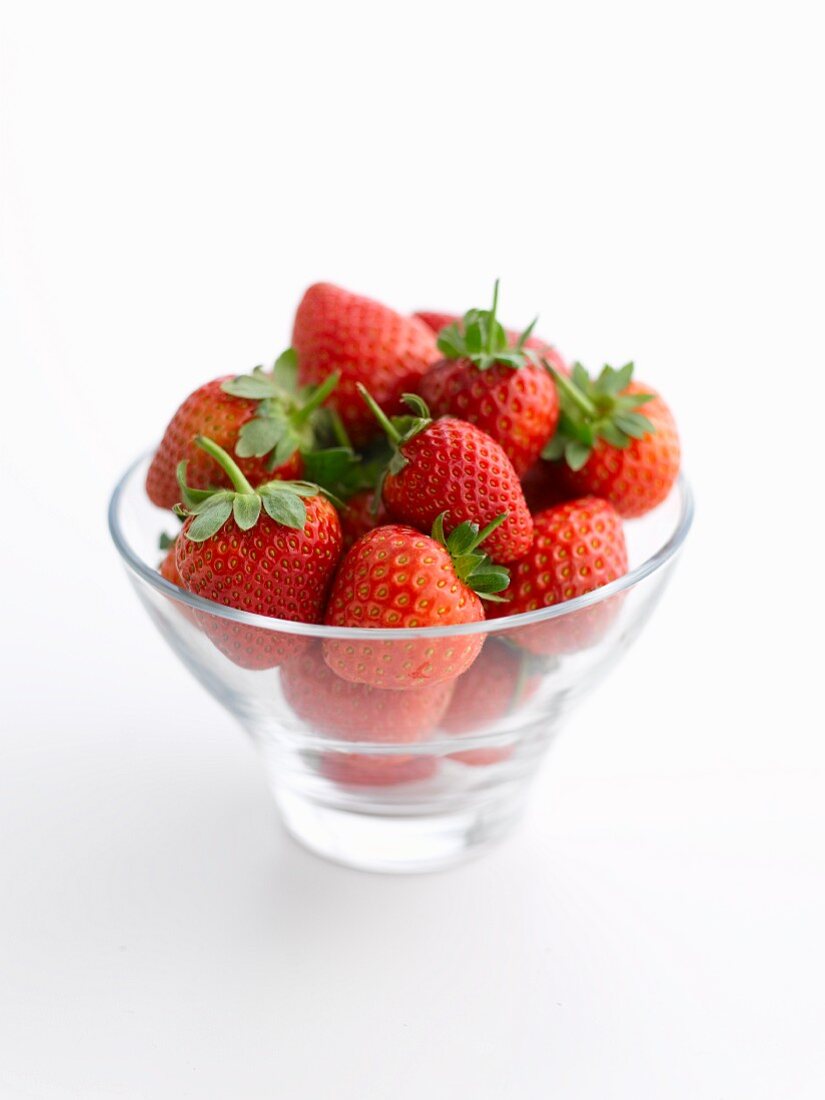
(648, 178)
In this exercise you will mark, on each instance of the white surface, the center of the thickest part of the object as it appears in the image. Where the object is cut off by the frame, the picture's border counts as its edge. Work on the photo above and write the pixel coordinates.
(650, 181)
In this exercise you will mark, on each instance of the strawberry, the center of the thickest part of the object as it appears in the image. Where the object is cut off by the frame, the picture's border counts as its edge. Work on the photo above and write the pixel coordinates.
(610, 448)
(396, 577)
(544, 485)
(438, 321)
(366, 342)
(359, 712)
(451, 466)
(361, 513)
(435, 320)
(352, 769)
(168, 568)
(578, 547)
(270, 551)
(502, 679)
(260, 416)
(495, 384)
(499, 683)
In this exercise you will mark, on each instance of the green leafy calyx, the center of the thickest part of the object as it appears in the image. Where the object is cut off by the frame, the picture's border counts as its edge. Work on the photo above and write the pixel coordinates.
(594, 409)
(398, 429)
(473, 568)
(286, 419)
(481, 338)
(340, 470)
(211, 508)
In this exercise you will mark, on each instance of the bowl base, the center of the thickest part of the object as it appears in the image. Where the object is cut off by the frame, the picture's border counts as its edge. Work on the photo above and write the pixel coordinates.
(396, 843)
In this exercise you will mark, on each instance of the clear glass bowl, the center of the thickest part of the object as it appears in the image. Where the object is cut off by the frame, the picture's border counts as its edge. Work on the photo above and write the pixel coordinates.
(401, 780)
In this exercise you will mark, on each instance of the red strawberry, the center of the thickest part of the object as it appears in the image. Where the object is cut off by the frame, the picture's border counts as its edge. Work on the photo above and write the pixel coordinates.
(495, 384)
(544, 485)
(260, 416)
(611, 448)
(438, 321)
(435, 320)
(359, 712)
(502, 679)
(451, 466)
(352, 769)
(500, 682)
(578, 547)
(396, 577)
(366, 342)
(517, 408)
(361, 514)
(270, 551)
(168, 568)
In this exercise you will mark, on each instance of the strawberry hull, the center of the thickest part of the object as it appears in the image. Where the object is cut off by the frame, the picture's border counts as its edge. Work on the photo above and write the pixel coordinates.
(212, 412)
(438, 321)
(639, 477)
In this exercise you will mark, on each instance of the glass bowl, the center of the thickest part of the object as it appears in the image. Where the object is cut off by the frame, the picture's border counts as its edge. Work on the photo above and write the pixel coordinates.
(389, 779)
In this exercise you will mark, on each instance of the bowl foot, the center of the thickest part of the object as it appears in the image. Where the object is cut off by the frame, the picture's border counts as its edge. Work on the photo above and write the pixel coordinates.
(396, 843)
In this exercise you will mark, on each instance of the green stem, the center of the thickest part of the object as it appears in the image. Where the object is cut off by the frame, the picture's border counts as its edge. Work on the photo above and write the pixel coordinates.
(317, 399)
(338, 429)
(226, 463)
(571, 390)
(488, 530)
(491, 327)
(393, 434)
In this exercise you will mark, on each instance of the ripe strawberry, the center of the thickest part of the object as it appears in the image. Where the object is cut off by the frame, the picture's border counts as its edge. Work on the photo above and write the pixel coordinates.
(438, 321)
(361, 514)
(352, 769)
(396, 577)
(494, 384)
(260, 416)
(451, 466)
(499, 683)
(610, 448)
(359, 712)
(578, 547)
(364, 341)
(270, 551)
(544, 485)
(502, 679)
(168, 568)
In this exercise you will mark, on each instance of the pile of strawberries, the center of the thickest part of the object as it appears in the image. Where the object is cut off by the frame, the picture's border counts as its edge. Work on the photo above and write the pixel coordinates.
(406, 471)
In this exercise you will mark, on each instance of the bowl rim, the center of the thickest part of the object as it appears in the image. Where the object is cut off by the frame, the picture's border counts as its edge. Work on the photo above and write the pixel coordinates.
(152, 577)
